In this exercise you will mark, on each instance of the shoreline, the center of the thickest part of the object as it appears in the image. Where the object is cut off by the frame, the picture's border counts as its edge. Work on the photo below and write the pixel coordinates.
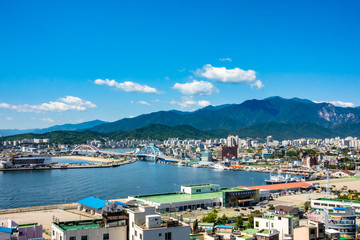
(87, 158)
(353, 183)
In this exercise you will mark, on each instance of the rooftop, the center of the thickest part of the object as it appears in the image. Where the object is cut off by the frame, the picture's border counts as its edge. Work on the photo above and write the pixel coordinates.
(337, 200)
(203, 185)
(234, 189)
(251, 231)
(179, 197)
(281, 186)
(5, 229)
(77, 225)
(93, 202)
(29, 225)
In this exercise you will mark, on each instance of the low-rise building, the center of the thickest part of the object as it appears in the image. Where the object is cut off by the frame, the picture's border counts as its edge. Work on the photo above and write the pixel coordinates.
(283, 223)
(266, 234)
(113, 226)
(328, 203)
(145, 224)
(200, 196)
(312, 231)
(16, 231)
(92, 205)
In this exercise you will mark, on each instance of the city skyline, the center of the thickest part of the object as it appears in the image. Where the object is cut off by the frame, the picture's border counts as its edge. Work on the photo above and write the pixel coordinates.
(65, 62)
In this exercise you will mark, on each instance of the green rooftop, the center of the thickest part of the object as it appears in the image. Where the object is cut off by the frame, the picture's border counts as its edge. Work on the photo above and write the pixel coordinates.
(244, 236)
(234, 190)
(77, 225)
(203, 185)
(251, 231)
(179, 197)
(337, 200)
(29, 225)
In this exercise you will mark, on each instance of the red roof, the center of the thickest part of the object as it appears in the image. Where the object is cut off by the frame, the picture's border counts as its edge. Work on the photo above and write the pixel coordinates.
(280, 186)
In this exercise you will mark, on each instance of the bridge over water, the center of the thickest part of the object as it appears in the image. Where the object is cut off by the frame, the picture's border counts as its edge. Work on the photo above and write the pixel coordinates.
(148, 153)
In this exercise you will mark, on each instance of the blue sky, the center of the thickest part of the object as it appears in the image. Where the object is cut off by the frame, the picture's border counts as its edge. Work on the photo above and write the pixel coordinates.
(56, 56)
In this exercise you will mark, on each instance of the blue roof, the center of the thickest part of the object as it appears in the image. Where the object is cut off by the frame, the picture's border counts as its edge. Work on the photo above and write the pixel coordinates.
(339, 208)
(224, 226)
(5, 229)
(121, 203)
(93, 202)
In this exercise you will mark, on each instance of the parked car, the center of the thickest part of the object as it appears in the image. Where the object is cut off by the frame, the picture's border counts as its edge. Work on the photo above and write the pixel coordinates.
(251, 208)
(237, 210)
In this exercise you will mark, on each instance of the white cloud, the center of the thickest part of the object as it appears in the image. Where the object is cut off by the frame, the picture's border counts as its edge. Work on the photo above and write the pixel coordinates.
(127, 86)
(190, 102)
(9, 118)
(196, 88)
(338, 103)
(182, 70)
(203, 103)
(258, 84)
(60, 105)
(46, 120)
(222, 74)
(167, 78)
(225, 59)
(144, 103)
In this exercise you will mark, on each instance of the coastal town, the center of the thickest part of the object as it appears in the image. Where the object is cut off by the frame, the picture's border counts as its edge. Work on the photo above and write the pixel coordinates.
(312, 192)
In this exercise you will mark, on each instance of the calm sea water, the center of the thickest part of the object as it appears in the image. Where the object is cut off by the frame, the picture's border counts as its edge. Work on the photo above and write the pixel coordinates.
(41, 187)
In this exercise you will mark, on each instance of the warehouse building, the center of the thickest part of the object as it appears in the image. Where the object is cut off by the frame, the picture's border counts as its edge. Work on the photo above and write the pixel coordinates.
(200, 196)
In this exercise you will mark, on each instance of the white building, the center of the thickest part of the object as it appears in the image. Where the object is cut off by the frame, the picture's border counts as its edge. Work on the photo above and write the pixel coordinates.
(145, 224)
(285, 224)
(93, 229)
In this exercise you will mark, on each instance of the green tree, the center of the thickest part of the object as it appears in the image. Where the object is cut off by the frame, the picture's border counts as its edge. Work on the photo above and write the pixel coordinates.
(222, 220)
(210, 217)
(307, 205)
(239, 222)
(251, 222)
(271, 208)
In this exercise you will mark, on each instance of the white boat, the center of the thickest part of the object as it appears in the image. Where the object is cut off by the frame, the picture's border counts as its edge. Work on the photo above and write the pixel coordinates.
(219, 166)
(277, 179)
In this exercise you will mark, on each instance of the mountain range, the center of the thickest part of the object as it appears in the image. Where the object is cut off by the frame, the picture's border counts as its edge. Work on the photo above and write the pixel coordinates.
(276, 116)
(64, 127)
(248, 113)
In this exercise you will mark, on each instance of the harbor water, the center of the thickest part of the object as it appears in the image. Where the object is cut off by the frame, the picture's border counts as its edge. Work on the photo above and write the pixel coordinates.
(43, 187)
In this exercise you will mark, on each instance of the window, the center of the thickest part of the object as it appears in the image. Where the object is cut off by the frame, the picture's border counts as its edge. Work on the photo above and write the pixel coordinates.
(135, 233)
(267, 224)
(272, 225)
(132, 224)
(106, 236)
(53, 233)
(168, 236)
(140, 236)
(159, 234)
(72, 238)
(256, 224)
(83, 237)
(60, 236)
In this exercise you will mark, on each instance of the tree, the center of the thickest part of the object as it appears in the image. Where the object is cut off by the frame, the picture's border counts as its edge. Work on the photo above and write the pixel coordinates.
(222, 220)
(210, 217)
(251, 222)
(271, 208)
(239, 222)
(307, 205)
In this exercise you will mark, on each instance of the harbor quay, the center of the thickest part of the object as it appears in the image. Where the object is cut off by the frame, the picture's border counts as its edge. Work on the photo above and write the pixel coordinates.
(182, 215)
